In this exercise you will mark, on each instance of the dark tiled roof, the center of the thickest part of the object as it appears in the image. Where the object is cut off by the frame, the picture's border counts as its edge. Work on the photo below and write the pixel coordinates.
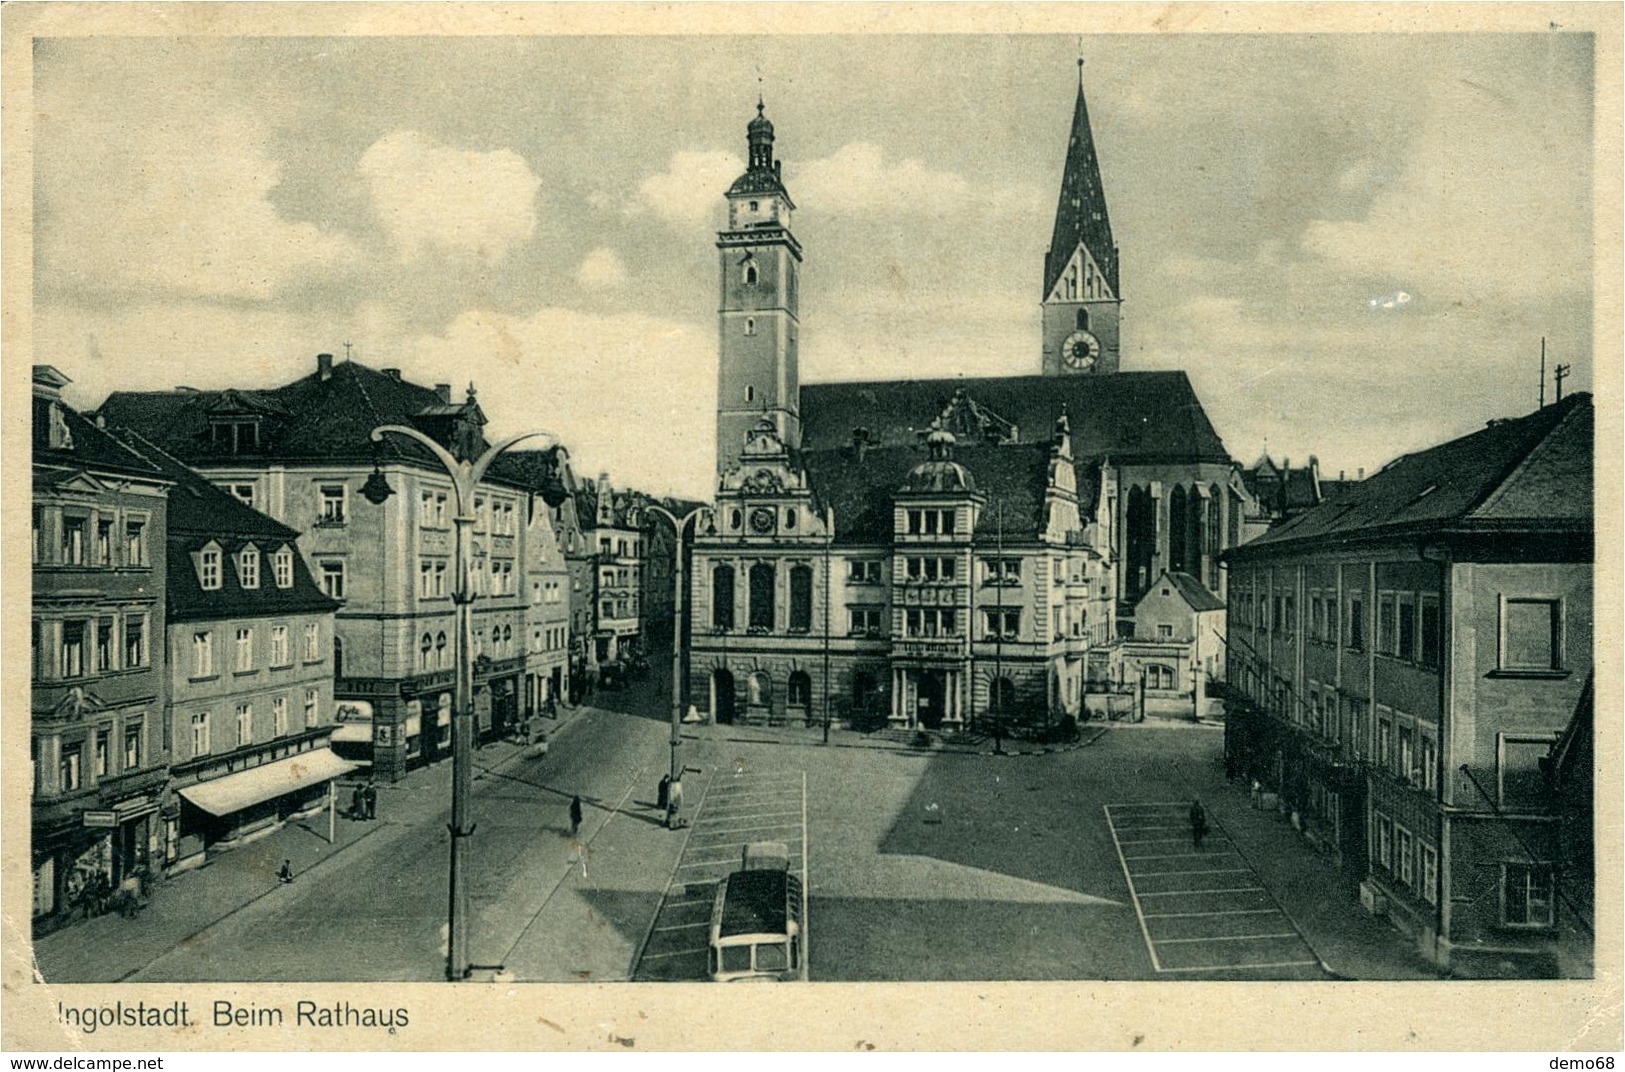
(310, 419)
(1012, 479)
(92, 447)
(199, 513)
(1531, 472)
(1195, 592)
(540, 471)
(1080, 215)
(1126, 416)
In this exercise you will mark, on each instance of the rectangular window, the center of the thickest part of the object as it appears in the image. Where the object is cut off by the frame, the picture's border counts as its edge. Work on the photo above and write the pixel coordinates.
(864, 571)
(1429, 640)
(933, 519)
(1058, 572)
(1317, 617)
(1430, 874)
(1526, 894)
(313, 642)
(135, 641)
(39, 535)
(801, 584)
(73, 541)
(1407, 626)
(440, 509)
(1428, 761)
(915, 522)
(245, 724)
(1001, 623)
(279, 646)
(948, 522)
(245, 650)
(208, 569)
(68, 769)
(132, 746)
(104, 541)
(200, 734)
(1165, 632)
(71, 662)
(202, 654)
(1406, 859)
(330, 504)
(312, 699)
(279, 715)
(864, 621)
(425, 578)
(1520, 781)
(243, 493)
(248, 568)
(1387, 636)
(101, 756)
(1531, 634)
(1385, 736)
(1278, 615)
(1356, 629)
(1385, 841)
(283, 562)
(1407, 754)
(135, 543)
(333, 579)
(104, 646)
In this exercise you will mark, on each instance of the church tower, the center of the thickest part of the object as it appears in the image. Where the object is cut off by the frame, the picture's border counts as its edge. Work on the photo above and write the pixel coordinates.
(1081, 299)
(757, 327)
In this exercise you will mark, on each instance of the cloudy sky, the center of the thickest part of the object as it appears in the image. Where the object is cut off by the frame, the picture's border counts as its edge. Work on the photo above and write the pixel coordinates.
(1353, 244)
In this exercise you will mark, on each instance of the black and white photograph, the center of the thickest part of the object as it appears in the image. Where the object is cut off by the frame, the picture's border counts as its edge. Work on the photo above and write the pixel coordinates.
(518, 504)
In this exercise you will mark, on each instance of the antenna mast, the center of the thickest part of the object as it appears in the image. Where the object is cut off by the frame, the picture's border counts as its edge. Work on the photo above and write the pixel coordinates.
(1543, 372)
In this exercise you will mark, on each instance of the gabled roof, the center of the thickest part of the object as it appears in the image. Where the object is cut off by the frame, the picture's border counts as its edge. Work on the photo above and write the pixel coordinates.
(1191, 590)
(1531, 473)
(199, 514)
(1126, 416)
(311, 419)
(1080, 214)
(1011, 479)
(92, 448)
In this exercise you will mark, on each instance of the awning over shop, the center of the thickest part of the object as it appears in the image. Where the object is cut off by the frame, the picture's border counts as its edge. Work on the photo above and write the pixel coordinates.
(353, 733)
(234, 792)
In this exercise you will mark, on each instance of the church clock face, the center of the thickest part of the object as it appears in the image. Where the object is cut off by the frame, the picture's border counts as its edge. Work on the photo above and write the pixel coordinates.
(761, 519)
(1080, 351)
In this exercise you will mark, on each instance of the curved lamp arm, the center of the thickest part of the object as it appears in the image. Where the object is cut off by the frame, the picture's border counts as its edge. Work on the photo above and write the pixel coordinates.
(485, 460)
(464, 476)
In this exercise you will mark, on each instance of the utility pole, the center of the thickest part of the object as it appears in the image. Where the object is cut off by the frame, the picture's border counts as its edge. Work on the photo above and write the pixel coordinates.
(1560, 373)
(1543, 372)
(829, 539)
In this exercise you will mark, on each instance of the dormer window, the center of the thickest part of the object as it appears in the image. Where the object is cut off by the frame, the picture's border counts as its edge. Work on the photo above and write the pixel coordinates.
(282, 565)
(59, 437)
(248, 567)
(235, 435)
(208, 568)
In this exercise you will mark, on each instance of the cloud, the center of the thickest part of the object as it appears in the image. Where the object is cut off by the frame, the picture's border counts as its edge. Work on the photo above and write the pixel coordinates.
(690, 190)
(432, 197)
(600, 269)
(1471, 213)
(859, 178)
(590, 379)
(177, 208)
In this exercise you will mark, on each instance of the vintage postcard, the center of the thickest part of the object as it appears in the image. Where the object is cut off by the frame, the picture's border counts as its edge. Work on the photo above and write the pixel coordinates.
(1014, 524)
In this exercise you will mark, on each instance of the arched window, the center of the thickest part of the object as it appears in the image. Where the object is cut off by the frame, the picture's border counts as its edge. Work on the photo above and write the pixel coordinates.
(442, 657)
(801, 584)
(761, 596)
(1142, 539)
(1215, 535)
(750, 274)
(722, 597)
(423, 652)
(760, 690)
(750, 325)
(799, 693)
(1177, 529)
(1083, 320)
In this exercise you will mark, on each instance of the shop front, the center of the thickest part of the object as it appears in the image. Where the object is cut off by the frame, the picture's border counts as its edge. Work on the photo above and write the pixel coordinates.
(235, 808)
(80, 865)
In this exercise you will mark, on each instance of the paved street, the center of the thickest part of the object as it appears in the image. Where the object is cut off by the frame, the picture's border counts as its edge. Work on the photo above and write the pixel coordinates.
(919, 865)
(1202, 909)
(739, 807)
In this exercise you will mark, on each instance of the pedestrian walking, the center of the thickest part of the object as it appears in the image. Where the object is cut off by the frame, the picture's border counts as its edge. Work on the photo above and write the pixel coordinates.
(1198, 824)
(285, 874)
(369, 799)
(575, 816)
(358, 802)
(664, 794)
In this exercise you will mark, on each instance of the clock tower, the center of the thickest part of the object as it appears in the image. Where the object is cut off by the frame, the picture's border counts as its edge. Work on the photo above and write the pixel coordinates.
(757, 377)
(1080, 299)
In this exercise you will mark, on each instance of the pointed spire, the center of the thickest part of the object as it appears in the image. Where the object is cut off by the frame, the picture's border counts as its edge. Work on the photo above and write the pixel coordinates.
(1080, 213)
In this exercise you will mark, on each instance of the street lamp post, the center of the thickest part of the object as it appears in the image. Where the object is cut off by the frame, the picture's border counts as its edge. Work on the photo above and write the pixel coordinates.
(674, 793)
(465, 476)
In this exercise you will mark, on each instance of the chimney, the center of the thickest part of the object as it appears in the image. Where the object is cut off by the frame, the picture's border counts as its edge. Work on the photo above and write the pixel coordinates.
(392, 373)
(1361, 475)
(1342, 474)
(444, 391)
(324, 367)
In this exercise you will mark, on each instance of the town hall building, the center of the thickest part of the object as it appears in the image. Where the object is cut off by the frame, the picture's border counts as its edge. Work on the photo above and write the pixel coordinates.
(940, 551)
